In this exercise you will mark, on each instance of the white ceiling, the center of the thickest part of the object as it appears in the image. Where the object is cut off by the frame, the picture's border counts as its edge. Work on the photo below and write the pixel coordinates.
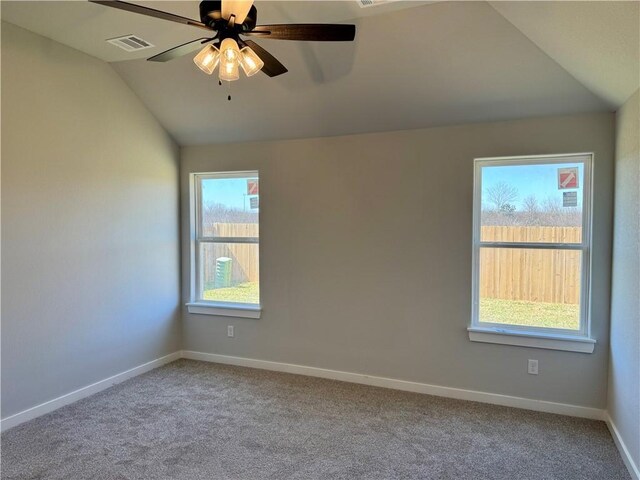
(412, 65)
(597, 42)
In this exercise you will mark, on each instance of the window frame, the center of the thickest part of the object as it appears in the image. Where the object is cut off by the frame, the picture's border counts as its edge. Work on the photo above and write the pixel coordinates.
(197, 304)
(541, 337)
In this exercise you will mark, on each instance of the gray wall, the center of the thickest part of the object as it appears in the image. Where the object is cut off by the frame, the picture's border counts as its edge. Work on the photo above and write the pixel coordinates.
(366, 256)
(624, 366)
(90, 263)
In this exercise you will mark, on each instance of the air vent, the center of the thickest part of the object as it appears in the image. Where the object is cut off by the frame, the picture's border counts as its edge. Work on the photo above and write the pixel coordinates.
(373, 3)
(130, 43)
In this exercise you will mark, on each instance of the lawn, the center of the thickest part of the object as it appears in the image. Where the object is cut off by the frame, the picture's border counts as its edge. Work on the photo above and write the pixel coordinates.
(539, 314)
(242, 293)
(494, 310)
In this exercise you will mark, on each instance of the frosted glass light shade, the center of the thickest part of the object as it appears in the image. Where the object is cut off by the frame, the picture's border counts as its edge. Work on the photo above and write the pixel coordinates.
(229, 60)
(207, 60)
(250, 62)
(229, 71)
(229, 50)
(239, 8)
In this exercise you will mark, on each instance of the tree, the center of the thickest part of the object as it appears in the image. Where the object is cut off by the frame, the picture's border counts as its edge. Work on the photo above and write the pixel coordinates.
(530, 211)
(502, 195)
(508, 209)
(213, 213)
(530, 204)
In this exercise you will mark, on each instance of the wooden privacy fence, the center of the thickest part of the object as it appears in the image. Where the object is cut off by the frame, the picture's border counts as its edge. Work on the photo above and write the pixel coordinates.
(534, 275)
(244, 256)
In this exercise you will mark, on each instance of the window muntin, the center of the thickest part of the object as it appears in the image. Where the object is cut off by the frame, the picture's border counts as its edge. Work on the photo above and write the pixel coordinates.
(227, 239)
(531, 244)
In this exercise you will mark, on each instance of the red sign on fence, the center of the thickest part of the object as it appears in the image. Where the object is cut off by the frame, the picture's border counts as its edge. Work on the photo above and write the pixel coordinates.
(252, 186)
(567, 178)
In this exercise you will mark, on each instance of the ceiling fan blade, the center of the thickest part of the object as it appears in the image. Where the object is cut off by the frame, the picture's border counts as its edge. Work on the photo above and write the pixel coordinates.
(150, 12)
(272, 67)
(239, 8)
(317, 32)
(180, 50)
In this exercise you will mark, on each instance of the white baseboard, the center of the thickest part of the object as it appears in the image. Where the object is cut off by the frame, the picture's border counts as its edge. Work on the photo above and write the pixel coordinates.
(83, 392)
(634, 471)
(449, 392)
(472, 395)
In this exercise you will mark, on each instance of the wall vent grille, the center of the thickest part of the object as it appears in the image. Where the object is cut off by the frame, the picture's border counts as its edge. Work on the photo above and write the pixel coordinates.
(130, 43)
(373, 3)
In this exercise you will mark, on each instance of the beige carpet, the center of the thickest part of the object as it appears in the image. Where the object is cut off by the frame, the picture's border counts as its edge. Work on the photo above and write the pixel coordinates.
(193, 420)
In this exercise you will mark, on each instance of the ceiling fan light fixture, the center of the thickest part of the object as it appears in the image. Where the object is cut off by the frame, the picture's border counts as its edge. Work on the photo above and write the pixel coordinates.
(250, 61)
(207, 59)
(229, 20)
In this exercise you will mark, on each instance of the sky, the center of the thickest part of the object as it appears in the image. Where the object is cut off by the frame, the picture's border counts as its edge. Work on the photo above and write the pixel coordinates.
(538, 180)
(231, 192)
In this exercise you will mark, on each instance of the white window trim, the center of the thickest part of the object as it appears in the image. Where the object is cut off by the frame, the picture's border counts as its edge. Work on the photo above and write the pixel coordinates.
(224, 310)
(506, 336)
(536, 337)
(197, 305)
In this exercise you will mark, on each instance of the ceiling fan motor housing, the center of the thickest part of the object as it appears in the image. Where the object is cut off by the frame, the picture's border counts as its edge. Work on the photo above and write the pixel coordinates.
(211, 14)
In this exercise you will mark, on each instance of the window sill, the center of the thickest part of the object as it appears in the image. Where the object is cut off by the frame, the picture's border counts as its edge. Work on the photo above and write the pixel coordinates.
(221, 310)
(567, 343)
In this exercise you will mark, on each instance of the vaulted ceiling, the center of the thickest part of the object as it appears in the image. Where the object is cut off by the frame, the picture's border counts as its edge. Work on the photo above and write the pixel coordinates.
(413, 65)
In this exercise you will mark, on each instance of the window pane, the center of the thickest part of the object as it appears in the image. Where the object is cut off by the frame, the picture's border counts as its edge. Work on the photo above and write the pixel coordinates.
(532, 203)
(230, 207)
(229, 272)
(530, 287)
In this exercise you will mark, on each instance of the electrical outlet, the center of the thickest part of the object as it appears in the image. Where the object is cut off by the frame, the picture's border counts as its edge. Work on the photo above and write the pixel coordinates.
(230, 331)
(533, 367)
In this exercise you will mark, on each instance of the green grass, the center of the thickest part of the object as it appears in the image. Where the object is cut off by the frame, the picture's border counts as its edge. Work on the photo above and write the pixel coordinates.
(538, 314)
(242, 293)
(494, 310)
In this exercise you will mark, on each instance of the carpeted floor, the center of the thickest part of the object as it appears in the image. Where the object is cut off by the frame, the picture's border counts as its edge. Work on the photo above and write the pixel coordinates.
(193, 420)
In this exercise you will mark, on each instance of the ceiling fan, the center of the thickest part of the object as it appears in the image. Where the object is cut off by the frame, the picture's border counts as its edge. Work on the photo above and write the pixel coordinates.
(228, 20)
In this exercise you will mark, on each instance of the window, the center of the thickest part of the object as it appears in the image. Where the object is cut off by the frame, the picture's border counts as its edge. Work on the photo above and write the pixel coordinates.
(225, 267)
(531, 249)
